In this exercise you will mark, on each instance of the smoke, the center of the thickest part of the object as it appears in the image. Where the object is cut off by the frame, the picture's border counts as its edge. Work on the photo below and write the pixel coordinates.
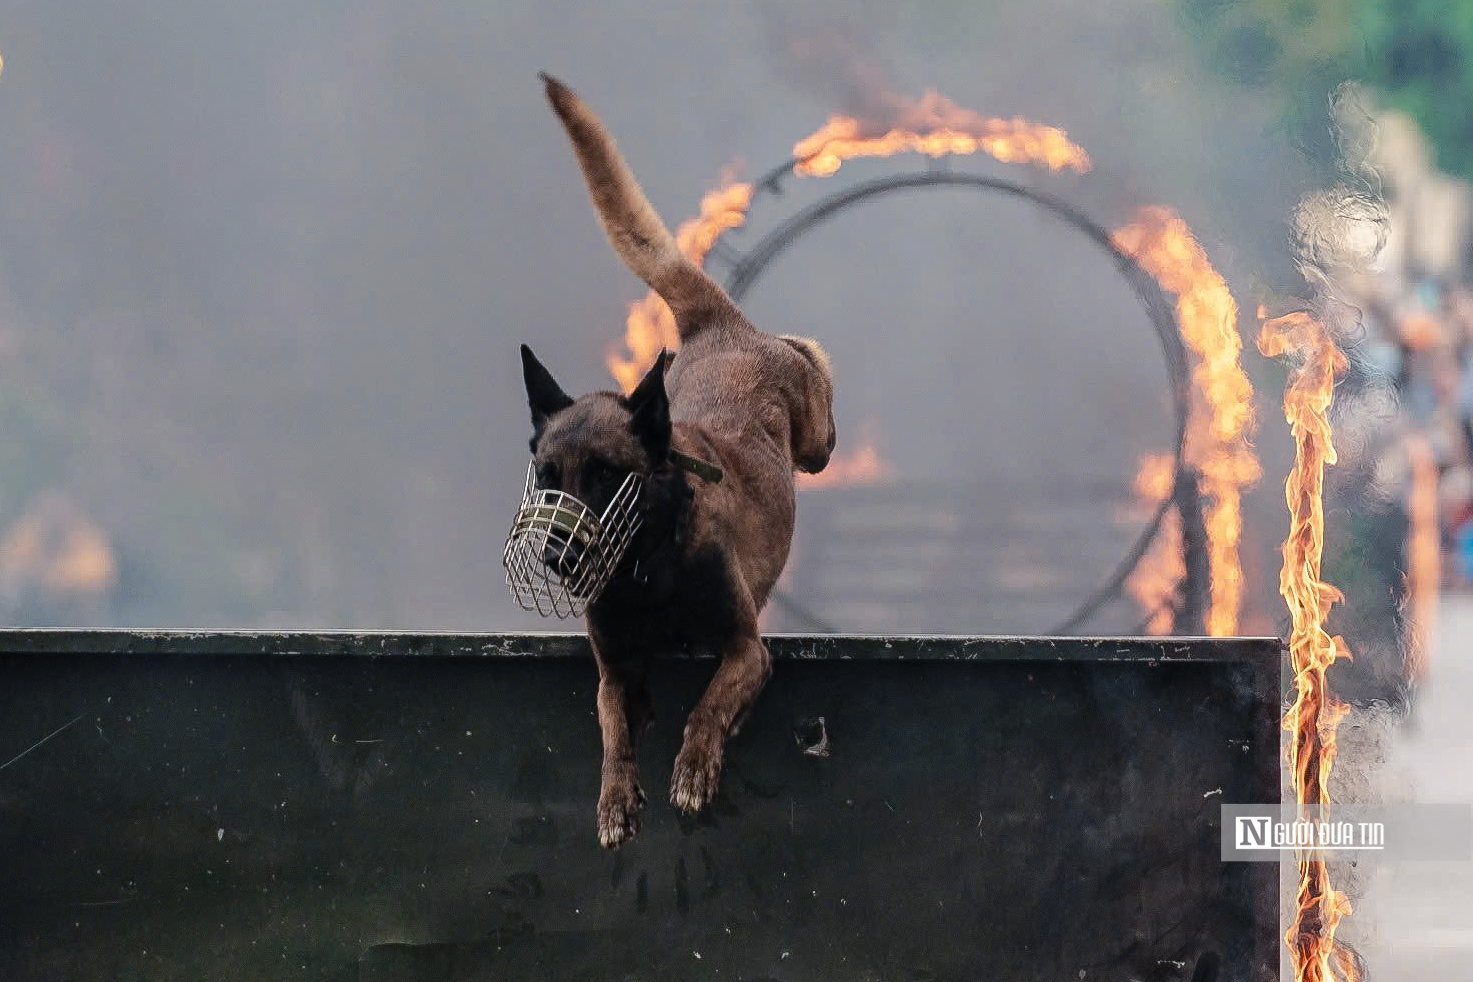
(266, 284)
(830, 57)
(1338, 235)
(1338, 230)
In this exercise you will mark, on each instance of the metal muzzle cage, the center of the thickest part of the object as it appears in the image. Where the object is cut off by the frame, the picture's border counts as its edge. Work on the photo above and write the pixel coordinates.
(559, 555)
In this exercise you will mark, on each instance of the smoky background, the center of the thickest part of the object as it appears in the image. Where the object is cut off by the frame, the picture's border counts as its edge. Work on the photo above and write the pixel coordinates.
(264, 269)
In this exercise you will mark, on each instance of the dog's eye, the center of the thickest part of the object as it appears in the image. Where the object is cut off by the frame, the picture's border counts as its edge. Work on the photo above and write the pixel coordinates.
(605, 474)
(547, 476)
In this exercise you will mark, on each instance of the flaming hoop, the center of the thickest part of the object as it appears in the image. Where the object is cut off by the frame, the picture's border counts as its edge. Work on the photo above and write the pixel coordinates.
(744, 268)
(1185, 569)
(1196, 523)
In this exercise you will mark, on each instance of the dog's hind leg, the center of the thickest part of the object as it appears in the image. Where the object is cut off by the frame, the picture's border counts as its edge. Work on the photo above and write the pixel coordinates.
(744, 670)
(624, 713)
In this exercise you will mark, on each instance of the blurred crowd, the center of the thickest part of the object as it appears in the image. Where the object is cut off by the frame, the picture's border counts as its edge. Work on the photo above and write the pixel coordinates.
(1417, 308)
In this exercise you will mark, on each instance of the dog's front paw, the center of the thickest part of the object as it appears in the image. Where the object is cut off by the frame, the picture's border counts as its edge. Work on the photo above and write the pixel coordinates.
(697, 774)
(619, 804)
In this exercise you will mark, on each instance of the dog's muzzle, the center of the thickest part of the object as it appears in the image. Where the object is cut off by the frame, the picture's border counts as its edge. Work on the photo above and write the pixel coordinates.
(559, 555)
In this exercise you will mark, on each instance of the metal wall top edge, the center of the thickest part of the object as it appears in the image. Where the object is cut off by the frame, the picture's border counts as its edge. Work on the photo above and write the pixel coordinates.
(569, 644)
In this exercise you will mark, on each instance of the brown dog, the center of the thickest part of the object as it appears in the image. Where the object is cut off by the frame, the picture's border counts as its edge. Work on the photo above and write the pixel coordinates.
(708, 552)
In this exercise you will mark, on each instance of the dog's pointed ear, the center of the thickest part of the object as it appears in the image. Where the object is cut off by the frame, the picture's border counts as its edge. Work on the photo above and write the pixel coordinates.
(649, 409)
(544, 395)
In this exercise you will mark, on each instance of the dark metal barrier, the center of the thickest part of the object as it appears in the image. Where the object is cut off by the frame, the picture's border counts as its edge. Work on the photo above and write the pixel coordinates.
(416, 807)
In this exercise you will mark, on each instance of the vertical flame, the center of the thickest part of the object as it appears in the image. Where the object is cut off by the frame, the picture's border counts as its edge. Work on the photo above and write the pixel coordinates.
(1221, 417)
(650, 326)
(1424, 554)
(1154, 581)
(1315, 714)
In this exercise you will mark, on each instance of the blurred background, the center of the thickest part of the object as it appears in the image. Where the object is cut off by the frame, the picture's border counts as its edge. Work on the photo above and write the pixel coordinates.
(264, 268)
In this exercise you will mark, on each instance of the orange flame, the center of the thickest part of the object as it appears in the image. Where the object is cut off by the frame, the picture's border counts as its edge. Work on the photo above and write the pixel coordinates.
(1315, 714)
(1153, 480)
(933, 124)
(936, 126)
(1221, 417)
(650, 325)
(863, 465)
(1424, 554)
(1154, 581)
(58, 549)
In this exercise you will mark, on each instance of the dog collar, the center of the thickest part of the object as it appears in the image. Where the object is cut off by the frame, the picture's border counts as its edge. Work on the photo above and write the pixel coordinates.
(639, 572)
(696, 466)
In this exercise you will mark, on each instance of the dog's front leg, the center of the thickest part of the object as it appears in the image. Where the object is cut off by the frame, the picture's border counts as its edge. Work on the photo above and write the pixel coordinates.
(624, 713)
(744, 670)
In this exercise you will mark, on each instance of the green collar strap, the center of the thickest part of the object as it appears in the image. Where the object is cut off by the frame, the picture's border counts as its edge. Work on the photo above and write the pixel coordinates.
(693, 465)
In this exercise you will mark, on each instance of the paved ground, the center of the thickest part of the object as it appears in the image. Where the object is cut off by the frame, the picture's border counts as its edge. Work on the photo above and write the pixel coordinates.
(1424, 912)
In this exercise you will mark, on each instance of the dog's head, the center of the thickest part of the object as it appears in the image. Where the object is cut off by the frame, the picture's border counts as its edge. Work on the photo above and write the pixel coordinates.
(586, 447)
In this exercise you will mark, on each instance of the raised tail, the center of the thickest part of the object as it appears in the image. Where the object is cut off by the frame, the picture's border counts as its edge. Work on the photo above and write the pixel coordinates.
(633, 226)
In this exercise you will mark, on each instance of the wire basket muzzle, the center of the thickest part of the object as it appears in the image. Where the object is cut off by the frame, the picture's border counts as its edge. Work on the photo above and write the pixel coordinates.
(560, 555)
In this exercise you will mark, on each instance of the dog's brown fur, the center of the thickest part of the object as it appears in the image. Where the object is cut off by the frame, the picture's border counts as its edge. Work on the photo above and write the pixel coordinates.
(758, 405)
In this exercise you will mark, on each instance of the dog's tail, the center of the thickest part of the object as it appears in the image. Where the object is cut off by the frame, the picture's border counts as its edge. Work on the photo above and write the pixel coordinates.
(634, 228)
